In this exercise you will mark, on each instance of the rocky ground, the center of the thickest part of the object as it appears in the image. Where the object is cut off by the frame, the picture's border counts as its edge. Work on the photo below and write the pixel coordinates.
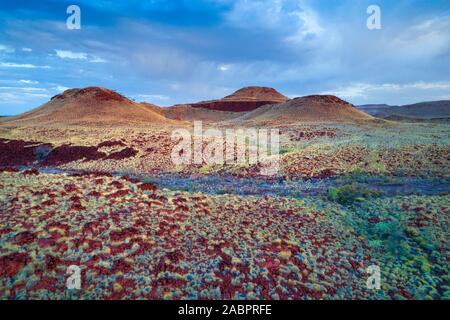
(133, 241)
(132, 238)
(308, 151)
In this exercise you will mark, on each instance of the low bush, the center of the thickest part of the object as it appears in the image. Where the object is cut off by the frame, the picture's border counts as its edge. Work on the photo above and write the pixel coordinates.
(349, 194)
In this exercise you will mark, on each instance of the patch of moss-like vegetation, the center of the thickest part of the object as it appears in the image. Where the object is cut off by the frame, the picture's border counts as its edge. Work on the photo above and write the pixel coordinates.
(350, 194)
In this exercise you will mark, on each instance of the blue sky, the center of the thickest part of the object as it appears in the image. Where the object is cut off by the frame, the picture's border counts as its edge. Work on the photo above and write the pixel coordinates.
(180, 51)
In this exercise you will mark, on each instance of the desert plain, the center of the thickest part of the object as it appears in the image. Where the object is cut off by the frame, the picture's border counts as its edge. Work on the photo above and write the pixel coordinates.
(87, 180)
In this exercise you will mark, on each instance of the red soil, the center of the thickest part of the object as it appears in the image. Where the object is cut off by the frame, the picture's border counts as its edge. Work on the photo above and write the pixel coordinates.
(24, 238)
(234, 106)
(67, 153)
(18, 152)
(11, 264)
(122, 154)
(147, 187)
(111, 143)
(245, 99)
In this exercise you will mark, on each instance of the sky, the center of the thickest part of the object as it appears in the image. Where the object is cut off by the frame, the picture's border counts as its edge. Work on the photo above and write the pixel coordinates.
(181, 51)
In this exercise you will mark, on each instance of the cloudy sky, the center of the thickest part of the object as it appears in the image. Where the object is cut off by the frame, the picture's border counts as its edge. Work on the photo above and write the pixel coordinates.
(169, 52)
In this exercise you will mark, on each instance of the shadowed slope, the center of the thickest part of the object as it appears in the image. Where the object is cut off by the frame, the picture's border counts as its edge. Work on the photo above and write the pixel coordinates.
(245, 99)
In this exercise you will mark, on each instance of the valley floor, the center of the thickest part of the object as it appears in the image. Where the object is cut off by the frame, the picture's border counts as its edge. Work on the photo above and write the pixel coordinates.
(110, 202)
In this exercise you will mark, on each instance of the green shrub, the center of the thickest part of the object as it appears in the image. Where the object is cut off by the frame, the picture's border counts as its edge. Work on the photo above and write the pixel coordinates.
(205, 169)
(376, 244)
(333, 194)
(284, 150)
(349, 194)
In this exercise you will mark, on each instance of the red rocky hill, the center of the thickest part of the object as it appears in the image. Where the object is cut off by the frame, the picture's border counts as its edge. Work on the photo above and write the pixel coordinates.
(245, 99)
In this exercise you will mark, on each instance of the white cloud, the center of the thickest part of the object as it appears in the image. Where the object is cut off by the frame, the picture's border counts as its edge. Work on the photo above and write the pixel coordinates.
(153, 97)
(98, 60)
(351, 91)
(291, 19)
(266, 14)
(431, 85)
(28, 81)
(223, 67)
(444, 97)
(60, 88)
(308, 26)
(27, 49)
(32, 89)
(66, 54)
(7, 49)
(21, 95)
(22, 65)
(364, 89)
(27, 89)
(429, 39)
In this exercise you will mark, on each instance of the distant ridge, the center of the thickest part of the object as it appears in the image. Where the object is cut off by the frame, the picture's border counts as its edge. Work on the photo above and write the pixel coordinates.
(422, 110)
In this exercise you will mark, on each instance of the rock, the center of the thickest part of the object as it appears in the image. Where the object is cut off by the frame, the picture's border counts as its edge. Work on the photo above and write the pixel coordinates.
(236, 260)
(117, 287)
(284, 255)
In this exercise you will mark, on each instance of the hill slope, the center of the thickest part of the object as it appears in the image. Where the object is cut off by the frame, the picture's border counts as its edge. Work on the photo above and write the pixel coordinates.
(184, 112)
(87, 106)
(307, 109)
(245, 99)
